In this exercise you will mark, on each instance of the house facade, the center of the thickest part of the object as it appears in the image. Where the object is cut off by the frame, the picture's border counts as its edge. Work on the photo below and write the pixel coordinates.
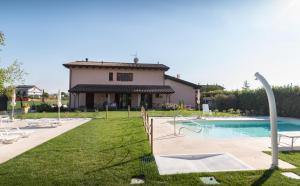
(97, 84)
(28, 90)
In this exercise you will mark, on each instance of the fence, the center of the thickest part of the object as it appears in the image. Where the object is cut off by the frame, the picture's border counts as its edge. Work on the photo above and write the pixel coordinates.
(148, 126)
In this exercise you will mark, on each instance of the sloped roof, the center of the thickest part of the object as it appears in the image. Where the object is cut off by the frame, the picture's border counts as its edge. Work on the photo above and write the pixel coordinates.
(27, 87)
(195, 86)
(122, 88)
(102, 64)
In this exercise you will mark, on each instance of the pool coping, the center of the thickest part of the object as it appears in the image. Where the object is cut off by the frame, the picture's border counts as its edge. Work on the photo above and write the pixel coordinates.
(247, 149)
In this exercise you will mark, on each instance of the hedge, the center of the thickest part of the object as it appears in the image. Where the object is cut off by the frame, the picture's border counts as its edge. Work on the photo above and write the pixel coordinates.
(255, 102)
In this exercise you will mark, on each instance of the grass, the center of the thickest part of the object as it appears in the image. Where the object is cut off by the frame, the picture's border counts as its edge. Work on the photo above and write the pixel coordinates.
(110, 152)
(119, 114)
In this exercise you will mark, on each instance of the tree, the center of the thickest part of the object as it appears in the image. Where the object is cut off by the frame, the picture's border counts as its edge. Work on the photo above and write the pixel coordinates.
(10, 75)
(64, 95)
(46, 95)
(209, 88)
(1, 81)
(246, 85)
(1, 70)
(14, 74)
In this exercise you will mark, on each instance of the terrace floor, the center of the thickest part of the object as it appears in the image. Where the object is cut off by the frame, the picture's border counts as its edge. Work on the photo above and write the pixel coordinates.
(247, 150)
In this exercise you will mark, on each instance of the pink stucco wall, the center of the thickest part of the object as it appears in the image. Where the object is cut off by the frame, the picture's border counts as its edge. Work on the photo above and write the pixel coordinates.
(140, 77)
(157, 101)
(182, 92)
(101, 76)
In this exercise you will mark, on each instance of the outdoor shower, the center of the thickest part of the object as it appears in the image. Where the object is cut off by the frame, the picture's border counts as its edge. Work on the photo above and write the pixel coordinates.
(273, 118)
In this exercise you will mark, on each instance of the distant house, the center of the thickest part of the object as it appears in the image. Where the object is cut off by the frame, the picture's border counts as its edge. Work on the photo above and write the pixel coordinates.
(95, 84)
(28, 91)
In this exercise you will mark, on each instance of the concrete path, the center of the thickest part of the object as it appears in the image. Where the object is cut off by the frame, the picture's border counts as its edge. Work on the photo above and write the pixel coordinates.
(39, 136)
(246, 149)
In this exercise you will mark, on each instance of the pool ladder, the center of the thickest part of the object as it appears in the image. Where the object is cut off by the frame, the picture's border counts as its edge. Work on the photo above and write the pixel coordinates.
(181, 128)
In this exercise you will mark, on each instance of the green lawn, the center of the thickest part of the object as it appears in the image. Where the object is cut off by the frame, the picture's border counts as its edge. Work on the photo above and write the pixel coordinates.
(120, 114)
(110, 152)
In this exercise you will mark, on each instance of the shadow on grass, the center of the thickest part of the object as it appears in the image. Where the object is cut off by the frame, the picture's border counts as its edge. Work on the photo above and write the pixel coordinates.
(263, 178)
(77, 149)
(121, 162)
(125, 145)
(128, 134)
(129, 127)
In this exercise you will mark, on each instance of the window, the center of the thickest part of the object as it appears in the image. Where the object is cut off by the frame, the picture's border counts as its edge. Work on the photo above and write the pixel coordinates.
(124, 76)
(157, 95)
(111, 76)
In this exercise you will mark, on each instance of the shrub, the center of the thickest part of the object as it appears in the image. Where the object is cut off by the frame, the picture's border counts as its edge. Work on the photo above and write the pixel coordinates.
(45, 107)
(170, 106)
(255, 102)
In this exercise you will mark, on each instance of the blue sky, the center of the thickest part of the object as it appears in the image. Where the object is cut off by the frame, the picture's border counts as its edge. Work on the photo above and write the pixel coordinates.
(206, 41)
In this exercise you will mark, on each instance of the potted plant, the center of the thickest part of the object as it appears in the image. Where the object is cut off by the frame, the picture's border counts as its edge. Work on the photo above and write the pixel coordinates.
(25, 108)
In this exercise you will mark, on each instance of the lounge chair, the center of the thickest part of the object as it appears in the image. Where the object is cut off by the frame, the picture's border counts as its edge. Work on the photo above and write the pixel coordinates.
(12, 128)
(8, 139)
(43, 123)
(17, 131)
(292, 135)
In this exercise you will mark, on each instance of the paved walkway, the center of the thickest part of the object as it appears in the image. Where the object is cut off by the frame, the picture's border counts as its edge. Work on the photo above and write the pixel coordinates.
(39, 136)
(247, 149)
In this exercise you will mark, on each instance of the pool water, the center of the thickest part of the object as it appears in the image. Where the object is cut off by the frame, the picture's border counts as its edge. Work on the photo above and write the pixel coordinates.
(231, 129)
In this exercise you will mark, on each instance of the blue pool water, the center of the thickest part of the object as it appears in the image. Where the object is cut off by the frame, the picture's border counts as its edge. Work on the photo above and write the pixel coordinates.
(231, 129)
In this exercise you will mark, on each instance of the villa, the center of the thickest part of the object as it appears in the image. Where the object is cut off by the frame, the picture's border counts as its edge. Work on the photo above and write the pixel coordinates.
(96, 84)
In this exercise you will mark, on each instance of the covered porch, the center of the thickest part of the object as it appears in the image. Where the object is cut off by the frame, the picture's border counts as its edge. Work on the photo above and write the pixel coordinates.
(119, 96)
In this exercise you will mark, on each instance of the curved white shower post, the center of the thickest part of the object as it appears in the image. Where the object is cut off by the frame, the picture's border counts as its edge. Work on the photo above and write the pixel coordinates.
(273, 118)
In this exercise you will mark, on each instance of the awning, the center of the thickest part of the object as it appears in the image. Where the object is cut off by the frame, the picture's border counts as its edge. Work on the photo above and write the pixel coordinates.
(81, 88)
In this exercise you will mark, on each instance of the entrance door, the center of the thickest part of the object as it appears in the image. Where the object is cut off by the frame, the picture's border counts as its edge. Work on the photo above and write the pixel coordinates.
(89, 100)
(123, 100)
(146, 100)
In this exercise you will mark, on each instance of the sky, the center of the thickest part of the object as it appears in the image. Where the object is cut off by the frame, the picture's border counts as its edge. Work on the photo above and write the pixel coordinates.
(205, 41)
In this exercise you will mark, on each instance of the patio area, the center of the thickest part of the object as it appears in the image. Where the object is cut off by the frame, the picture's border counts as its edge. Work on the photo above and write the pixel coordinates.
(245, 153)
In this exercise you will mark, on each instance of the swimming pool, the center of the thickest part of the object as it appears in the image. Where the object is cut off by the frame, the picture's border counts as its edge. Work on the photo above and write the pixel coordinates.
(231, 129)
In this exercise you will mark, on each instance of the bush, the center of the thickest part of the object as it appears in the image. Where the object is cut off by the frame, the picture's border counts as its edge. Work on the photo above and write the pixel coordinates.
(255, 102)
(45, 107)
(170, 106)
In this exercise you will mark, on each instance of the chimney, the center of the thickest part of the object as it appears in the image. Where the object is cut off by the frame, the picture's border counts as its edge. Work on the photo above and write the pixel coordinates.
(86, 59)
(178, 76)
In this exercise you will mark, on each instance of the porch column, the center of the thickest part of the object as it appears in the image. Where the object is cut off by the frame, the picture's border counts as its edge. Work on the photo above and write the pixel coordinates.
(78, 94)
(108, 98)
(139, 100)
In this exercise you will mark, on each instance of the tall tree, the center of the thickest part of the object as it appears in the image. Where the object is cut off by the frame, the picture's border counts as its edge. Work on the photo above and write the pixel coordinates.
(12, 74)
(1, 70)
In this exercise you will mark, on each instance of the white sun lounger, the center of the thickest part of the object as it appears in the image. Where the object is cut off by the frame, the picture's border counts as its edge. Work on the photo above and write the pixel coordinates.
(292, 135)
(17, 131)
(12, 128)
(8, 139)
(42, 123)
